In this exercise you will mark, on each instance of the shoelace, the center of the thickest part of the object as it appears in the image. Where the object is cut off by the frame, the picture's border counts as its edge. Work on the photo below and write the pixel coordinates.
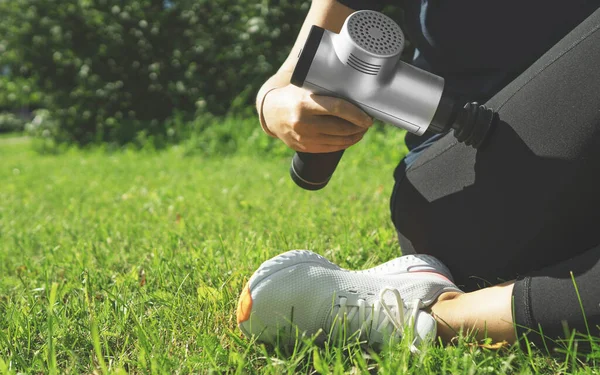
(382, 315)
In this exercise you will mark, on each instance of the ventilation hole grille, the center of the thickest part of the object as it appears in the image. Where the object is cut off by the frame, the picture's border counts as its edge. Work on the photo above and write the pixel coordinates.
(375, 33)
(362, 66)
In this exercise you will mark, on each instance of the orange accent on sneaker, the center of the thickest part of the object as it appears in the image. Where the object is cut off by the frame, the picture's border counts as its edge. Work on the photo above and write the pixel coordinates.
(244, 305)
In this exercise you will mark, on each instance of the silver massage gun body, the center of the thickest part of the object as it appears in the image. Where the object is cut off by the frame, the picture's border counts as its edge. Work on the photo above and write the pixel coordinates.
(362, 65)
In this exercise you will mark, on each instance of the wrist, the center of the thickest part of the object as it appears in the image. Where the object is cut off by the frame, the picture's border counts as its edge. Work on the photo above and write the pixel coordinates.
(260, 107)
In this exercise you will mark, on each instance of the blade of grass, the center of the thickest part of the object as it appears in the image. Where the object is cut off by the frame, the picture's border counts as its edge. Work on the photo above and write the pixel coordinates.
(51, 354)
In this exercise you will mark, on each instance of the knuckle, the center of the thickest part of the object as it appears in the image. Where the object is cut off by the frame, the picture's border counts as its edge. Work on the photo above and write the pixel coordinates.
(302, 148)
(293, 136)
(297, 146)
(295, 121)
(353, 139)
(305, 100)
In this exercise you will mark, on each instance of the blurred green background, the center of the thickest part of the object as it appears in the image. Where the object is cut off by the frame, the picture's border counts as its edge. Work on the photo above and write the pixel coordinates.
(114, 71)
(138, 72)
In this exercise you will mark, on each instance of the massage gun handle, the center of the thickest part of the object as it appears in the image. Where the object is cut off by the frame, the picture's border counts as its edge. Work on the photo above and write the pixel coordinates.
(313, 171)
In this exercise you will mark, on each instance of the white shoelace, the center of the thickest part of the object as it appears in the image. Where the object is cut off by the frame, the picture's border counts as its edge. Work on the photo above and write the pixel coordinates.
(380, 317)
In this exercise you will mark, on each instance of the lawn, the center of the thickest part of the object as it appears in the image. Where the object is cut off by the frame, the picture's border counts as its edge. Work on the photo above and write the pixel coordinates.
(132, 261)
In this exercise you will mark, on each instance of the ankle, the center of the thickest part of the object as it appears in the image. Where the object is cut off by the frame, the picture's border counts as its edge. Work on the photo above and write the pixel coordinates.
(442, 301)
(447, 296)
(443, 311)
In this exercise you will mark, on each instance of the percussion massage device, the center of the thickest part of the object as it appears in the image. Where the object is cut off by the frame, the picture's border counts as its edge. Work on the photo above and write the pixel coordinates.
(362, 65)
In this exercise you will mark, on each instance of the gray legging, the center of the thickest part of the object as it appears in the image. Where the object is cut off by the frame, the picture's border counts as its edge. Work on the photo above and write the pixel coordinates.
(527, 206)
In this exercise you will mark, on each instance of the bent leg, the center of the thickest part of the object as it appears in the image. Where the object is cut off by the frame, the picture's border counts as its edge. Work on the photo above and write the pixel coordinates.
(529, 199)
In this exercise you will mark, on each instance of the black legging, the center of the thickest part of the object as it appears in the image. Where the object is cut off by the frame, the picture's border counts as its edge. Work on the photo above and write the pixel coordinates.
(527, 206)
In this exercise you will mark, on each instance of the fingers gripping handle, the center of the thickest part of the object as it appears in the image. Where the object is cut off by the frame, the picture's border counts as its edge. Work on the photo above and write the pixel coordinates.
(313, 171)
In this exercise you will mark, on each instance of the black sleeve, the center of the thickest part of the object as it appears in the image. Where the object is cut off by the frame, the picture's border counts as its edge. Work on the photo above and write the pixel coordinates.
(364, 4)
(566, 295)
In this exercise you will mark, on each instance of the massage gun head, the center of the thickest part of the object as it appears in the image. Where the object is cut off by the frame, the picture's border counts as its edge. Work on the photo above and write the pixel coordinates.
(369, 42)
(366, 50)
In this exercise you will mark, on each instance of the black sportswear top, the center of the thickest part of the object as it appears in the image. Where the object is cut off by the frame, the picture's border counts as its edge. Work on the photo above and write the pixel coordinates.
(481, 45)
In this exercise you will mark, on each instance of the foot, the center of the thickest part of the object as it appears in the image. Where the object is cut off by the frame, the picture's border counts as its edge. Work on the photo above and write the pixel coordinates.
(300, 292)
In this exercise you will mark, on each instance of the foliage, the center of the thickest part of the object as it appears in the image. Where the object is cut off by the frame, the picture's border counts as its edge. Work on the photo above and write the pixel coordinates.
(18, 93)
(9, 122)
(111, 69)
(131, 262)
(42, 125)
(216, 136)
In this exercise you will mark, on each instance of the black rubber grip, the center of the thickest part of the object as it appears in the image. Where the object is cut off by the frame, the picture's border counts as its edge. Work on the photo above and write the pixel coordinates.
(307, 55)
(313, 171)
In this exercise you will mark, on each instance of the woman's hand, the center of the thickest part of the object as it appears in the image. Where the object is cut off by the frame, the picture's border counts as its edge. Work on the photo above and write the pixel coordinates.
(304, 121)
(313, 123)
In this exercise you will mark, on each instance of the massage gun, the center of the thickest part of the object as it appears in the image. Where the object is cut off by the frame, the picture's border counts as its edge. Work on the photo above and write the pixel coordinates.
(362, 65)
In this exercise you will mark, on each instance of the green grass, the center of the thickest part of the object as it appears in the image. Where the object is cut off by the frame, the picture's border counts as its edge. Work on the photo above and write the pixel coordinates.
(131, 262)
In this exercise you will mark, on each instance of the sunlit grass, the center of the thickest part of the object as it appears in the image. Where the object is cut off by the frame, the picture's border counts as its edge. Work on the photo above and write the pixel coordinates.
(131, 262)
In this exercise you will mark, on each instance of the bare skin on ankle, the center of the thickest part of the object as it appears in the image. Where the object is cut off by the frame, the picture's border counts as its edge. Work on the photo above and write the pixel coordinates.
(486, 313)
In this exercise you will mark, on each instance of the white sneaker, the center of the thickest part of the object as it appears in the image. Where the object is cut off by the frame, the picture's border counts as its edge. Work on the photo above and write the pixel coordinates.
(302, 293)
